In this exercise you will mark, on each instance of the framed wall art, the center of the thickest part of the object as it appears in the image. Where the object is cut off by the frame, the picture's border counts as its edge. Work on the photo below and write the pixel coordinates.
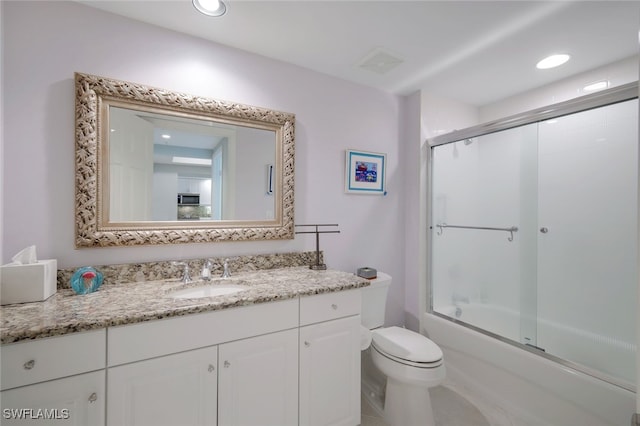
(365, 172)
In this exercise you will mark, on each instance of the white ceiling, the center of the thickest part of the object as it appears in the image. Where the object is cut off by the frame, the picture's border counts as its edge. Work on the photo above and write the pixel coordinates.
(473, 51)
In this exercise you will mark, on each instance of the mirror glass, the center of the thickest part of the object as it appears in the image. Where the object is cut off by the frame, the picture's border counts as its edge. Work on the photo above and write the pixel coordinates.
(160, 167)
(166, 168)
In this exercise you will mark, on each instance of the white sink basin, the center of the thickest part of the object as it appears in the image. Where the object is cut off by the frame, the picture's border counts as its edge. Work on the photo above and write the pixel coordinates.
(208, 291)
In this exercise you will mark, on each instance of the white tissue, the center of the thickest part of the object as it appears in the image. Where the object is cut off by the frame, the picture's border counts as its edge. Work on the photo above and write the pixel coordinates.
(25, 256)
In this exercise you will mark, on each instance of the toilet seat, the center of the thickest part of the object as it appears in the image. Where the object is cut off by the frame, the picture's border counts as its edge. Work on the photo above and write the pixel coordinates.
(425, 365)
(407, 347)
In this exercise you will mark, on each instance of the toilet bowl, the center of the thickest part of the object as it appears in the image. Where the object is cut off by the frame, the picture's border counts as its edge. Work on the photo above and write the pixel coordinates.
(410, 362)
(407, 356)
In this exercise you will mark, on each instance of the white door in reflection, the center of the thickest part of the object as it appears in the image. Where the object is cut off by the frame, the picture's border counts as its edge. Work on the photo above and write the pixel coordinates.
(216, 185)
(130, 167)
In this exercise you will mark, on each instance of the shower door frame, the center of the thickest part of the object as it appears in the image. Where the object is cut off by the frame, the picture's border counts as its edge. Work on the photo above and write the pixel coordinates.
(603, 98)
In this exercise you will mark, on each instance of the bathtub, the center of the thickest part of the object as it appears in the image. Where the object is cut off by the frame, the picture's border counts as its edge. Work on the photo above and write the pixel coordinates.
(533, 389)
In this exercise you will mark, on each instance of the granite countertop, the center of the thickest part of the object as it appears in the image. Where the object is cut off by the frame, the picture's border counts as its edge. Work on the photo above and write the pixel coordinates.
(118, 304)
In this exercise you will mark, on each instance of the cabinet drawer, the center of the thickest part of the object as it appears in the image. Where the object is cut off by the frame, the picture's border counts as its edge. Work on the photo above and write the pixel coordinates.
(135, 342)
(329, 306)
(25, 363)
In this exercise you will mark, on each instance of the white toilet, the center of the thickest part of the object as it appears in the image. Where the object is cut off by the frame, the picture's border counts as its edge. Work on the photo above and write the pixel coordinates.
(410, 362)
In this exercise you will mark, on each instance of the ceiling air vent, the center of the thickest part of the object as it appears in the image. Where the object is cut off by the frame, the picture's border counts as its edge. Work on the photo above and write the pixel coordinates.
(380, 61)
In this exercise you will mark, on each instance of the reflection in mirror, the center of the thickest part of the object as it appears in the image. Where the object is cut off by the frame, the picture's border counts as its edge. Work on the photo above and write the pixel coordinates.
(159, 167)
(167, 168)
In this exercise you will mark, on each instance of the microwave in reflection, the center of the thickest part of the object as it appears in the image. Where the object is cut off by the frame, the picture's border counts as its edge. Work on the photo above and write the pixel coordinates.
(188, 199)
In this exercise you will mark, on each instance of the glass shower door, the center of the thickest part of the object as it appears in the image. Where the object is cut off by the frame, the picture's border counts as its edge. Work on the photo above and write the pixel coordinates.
(565, 282)
(587, 254)
(481, 268)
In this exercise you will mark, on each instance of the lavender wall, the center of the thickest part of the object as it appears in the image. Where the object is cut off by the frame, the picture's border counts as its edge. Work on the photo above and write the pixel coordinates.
(46, 42)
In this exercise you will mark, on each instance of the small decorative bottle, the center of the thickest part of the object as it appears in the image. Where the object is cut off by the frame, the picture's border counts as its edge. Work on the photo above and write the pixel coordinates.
(86, 280)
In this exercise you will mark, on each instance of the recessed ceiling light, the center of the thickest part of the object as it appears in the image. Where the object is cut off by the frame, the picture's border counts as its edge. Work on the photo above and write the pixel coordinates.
(166, 136)
(210, 7)
(552, 61)
(596, 85)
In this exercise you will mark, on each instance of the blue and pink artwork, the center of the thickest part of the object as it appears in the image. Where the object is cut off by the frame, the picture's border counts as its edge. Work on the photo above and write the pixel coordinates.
(366, 171)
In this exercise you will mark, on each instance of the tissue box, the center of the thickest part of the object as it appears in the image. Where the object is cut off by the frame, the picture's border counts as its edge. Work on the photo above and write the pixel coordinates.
(368, 273)
(32, 282)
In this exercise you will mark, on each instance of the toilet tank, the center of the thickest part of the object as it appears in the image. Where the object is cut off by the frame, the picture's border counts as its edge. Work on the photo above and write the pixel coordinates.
(374, 301)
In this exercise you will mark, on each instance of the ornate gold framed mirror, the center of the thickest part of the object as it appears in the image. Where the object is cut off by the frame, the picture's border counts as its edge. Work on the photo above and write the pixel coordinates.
(160, 167)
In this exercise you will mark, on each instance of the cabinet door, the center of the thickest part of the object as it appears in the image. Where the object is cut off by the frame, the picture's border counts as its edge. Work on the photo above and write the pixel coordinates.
(77, 400)
(172, 390)
(330, 373)
(204, 189)
(183, 185)
(259, 381)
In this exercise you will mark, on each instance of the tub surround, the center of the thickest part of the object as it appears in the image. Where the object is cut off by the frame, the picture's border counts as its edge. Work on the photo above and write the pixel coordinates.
(523, 385)
(126, 303)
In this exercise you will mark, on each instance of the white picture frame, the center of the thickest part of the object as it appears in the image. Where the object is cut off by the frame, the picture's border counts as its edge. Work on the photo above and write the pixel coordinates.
(365, 172)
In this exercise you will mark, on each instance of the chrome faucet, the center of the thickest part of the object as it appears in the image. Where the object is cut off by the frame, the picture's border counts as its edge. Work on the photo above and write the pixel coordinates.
(186, 277)
(225, 269)
(206, 271)
(458, 298)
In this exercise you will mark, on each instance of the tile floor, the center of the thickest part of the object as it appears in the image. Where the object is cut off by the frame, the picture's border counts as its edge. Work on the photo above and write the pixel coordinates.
(449, 409)
(369, 416)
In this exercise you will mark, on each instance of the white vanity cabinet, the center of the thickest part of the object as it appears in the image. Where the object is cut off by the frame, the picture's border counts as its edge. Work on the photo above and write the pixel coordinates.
(258, 381)
(330, 359)
(174, 371)
(56, 380)
(77, 400)
(178, 389)
(289, 362)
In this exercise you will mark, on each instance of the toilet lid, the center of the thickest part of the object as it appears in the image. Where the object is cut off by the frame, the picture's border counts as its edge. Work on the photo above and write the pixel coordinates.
(406, 344)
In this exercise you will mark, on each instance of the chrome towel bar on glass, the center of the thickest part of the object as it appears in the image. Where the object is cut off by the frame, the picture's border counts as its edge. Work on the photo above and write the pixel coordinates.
(511, 230)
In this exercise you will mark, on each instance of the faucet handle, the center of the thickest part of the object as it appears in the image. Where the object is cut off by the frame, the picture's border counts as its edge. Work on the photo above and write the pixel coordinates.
(225, 269)
(186, 277)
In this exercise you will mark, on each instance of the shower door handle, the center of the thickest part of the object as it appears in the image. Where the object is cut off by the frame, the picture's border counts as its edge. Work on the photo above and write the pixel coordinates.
(544, 230)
